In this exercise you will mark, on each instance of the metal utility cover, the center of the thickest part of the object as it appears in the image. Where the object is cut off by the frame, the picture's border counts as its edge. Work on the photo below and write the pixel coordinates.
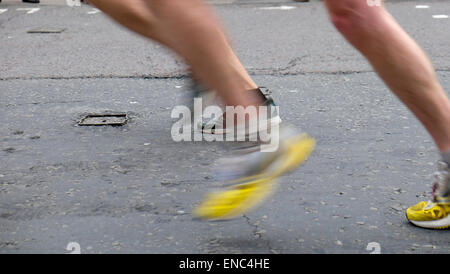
(104, 120)
(46, 30)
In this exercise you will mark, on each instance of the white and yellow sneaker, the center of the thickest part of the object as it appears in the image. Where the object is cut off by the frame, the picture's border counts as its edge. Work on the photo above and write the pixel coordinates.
(257, 175)
(434, 214)
(236, 199)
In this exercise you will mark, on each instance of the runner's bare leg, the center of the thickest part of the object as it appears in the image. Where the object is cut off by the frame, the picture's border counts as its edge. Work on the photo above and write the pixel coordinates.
(398, 60)
(190, 28)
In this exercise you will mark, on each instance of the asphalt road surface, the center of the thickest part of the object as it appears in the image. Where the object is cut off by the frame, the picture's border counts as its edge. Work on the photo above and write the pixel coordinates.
(131, 189)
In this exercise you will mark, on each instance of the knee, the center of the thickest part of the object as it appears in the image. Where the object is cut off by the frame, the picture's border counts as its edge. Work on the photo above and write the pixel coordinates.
(352, 15)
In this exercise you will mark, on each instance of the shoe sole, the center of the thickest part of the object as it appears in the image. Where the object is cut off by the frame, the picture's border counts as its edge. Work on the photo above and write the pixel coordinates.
(438, 224)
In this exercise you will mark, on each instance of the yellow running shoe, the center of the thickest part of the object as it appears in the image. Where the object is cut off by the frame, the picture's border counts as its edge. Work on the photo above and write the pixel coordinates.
(430, 215)
(248, 191)
(236, 199)
(434, 214)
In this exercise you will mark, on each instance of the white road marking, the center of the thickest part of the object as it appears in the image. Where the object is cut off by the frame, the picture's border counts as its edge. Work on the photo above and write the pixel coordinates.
(3, 10)
(30, 10)
(94, 11)
(440, 16)
(422, 7)
(73, 3)
(278, 8)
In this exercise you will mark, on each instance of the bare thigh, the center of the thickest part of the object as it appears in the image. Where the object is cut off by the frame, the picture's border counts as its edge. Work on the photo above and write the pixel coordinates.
(133, 14)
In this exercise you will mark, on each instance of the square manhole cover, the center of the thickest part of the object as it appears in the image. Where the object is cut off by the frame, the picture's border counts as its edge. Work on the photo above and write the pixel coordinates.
(119, 119)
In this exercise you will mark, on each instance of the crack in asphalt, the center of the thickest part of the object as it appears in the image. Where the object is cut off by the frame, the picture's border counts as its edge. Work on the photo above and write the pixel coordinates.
(252, 72)
(100, 76)
(256, 228)
(260, 72)
(257, 233)
(44, 103)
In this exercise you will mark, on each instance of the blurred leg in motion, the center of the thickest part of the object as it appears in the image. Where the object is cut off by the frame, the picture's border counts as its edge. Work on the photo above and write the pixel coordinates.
(407, 71)
(191, 30)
